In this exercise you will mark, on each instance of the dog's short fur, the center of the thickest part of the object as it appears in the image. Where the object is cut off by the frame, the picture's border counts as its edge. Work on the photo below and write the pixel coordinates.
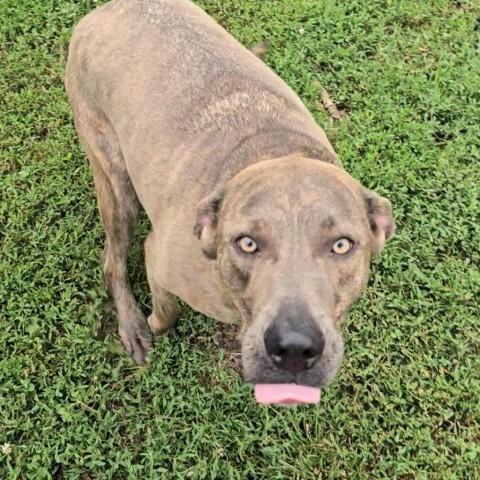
(176, 116)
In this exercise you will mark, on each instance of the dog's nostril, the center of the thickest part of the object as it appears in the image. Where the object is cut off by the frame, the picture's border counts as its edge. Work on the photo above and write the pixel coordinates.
(307, 354)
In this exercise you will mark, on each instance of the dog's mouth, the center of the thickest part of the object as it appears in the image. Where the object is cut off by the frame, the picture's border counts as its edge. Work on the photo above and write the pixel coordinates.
(283, 383)
(286, 394)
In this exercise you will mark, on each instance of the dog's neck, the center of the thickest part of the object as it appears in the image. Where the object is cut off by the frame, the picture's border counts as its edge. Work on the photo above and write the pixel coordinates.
(267, 144)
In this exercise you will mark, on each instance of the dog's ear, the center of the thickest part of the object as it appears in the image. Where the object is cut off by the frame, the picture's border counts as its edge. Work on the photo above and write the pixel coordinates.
(380, 216)
(206, 223)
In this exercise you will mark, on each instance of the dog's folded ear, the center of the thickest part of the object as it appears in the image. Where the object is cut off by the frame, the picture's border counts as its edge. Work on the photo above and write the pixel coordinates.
(380, 216)
(206, 223)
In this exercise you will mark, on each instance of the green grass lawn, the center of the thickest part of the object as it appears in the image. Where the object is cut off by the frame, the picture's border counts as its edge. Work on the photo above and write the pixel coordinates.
(406, 404)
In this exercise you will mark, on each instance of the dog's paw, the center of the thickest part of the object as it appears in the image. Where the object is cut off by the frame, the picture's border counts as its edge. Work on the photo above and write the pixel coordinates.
(161, 325)
(137, 339)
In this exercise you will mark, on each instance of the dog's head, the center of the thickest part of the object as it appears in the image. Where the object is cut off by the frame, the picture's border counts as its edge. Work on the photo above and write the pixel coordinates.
(292, 239)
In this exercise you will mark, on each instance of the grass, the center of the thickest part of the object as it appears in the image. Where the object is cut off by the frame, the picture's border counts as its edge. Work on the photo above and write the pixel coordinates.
(406, 404)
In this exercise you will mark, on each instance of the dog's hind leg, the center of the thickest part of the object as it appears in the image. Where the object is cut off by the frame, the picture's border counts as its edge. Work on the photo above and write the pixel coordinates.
(119, 207)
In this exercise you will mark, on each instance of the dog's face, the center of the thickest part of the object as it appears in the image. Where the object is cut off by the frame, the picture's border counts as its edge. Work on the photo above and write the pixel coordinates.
(292, 239)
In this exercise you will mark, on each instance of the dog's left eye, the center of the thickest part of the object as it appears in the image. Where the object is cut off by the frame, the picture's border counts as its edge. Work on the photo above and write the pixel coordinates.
(247, 245)
(342, 246)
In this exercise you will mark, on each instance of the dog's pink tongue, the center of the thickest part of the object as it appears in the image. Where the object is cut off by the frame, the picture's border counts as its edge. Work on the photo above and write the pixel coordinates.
(286, 393)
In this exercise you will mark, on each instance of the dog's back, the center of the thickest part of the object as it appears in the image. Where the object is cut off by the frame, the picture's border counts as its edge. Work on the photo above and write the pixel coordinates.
(165, 72)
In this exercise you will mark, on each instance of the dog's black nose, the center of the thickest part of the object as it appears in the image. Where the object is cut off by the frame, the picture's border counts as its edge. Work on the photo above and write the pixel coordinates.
(294, 348)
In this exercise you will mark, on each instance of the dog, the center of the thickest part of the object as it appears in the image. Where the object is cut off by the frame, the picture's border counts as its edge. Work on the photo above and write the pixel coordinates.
(254, 221)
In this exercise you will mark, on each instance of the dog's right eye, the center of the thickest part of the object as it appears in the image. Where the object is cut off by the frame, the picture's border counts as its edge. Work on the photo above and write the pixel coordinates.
(247, 245)
(342, 246)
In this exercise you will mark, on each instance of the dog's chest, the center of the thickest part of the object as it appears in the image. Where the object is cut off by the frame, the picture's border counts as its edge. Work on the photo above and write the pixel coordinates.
(183, 271)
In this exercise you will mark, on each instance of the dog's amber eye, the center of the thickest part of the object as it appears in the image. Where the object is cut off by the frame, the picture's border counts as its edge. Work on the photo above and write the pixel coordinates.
(247, 245)
(342, 246)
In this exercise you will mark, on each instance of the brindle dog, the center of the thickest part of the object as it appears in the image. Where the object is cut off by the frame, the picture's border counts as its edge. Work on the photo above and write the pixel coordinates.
(253, 219)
